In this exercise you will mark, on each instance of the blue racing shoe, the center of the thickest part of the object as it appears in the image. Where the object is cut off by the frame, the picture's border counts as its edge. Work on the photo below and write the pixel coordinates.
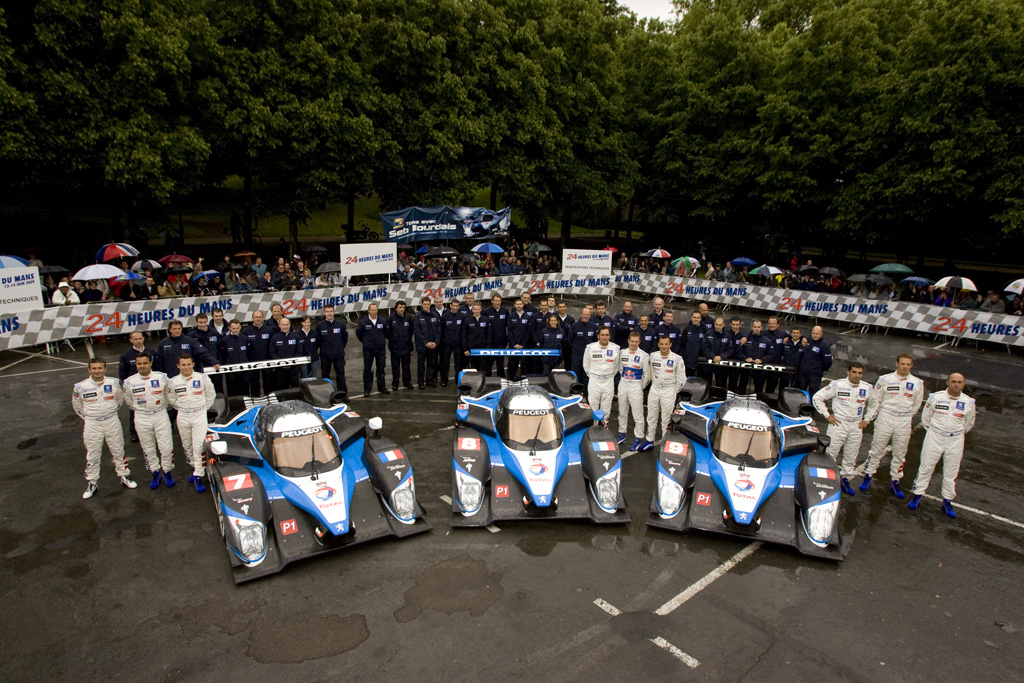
(155, 484)
(646, 446)
(636, 444)
(199, 484)
(866, 483)
(894, 486)
(847, 489)
(168, 480)
(914, 502)
(947, 507)
(622, 436)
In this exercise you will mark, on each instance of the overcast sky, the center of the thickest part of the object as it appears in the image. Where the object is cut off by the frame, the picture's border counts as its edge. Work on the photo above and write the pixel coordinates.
(650, 8)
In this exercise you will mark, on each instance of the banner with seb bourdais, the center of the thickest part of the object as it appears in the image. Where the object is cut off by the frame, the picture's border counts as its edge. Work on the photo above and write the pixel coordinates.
(418, 223)
(121, 317)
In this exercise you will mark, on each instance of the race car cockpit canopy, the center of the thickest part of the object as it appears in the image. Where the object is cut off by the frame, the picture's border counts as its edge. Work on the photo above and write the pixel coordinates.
(295, 440)
(744, 432)
(526, 418)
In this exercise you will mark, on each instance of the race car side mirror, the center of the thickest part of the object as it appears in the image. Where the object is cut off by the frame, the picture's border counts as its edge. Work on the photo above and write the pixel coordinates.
(598, 416)
(375, 424)
(675, 419)
(218, 447)
(462, 414)
(823, 441)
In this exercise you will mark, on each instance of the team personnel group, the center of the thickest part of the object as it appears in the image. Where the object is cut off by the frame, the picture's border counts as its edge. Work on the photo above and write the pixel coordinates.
(622, 356)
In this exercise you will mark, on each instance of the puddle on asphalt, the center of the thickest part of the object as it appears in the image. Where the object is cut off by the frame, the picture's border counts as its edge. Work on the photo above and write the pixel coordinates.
(290, 641)
(458, 584)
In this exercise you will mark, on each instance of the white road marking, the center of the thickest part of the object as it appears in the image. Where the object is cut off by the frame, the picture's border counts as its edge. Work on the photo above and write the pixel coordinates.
(710, 578)
(676, 652)
(607, 607)
(977, 511)
(38, 372)
(941, 345)
(447, 499)
(49, 357)
(646, 593)
(493, 529)
(11, 365)
(856, 329)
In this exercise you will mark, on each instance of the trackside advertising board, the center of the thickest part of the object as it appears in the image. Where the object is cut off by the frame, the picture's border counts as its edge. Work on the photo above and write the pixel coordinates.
(587, 261)
(19, 294)
(369, 259)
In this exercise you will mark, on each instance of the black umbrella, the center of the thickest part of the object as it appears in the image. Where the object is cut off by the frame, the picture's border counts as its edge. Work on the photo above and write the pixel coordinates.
(316, 249)
(830, 270)
(177, 270)
(537, 248)
(469, 258)
(329, 267)
(406, 245)
(234, 266)
(879, 279)
(53, 270)
(807, 269)
(441, 252)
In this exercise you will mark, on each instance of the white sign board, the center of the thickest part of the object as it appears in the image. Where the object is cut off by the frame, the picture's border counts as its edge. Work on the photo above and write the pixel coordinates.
(369, 259)
(19, 290)
(589, 261)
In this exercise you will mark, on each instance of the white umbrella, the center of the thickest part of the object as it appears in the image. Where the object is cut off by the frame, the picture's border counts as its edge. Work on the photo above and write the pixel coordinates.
(146, 264)
(1017, 287)
(99, 271)
(771, 271)
(956, 283)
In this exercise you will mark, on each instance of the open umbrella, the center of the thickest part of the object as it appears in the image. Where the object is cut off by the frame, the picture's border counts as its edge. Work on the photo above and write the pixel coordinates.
(879, 279)
(692, 263)
(1017, 287)
(234, 266)
(109, 252)
(537, 248)
(145, 264)
(893, 269)
(241, 254)
(316, 249)
(441, 252)
(206, 273)
(610, 248)
(956, 283)
(329, 267)
(656, 253)
(804, 269)
(176, 258)
(469, 258)
(13, 262)
(128, 276)
(861, 277)
(406, 245)
(832, 270)
(178, 270)
(916, 280)
(769, 271)
(488, 248)
(422, 250)
(53, 270)
(744, 261)
(97, 272)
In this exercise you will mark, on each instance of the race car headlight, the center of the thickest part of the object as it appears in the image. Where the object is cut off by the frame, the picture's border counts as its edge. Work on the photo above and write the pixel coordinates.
(403, 501)
(608, 490)
(471, 492)
(670, 495)
(251, 537)
(820, 522)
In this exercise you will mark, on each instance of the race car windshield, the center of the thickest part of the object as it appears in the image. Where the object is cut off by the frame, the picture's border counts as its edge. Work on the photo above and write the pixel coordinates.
(745, 446)
(524, 430)
(293, 455)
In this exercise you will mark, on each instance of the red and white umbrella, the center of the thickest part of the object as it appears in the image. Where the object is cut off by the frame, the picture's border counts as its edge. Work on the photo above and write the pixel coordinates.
(656, 253)
(175, 258)
(115, 250)
(956, 283)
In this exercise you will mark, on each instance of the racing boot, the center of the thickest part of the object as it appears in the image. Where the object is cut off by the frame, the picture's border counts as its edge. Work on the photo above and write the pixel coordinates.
(198, 481)
(90, 490)
(636, 444)
(866, 483)
(894, 486)
(168, 480)
(947, 507)
(155, 484)
(914, 502)
(646, 446)
(622, 437)
(127, 482)
(847, 489)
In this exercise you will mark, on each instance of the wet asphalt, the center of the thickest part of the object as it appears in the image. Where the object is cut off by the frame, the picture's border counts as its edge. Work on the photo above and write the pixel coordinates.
(135, 585)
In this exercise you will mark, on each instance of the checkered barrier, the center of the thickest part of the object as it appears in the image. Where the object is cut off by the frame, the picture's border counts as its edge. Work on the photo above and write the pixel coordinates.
(93, 320)
(967, 324)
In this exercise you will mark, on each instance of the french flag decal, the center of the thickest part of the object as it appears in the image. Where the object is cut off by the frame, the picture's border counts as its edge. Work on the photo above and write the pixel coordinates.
(604, 446)
(390, 456)
(822, 473)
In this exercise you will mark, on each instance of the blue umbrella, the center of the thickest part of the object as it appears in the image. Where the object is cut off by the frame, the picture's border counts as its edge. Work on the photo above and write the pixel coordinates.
(125, 277)
(916, 280)
(12, 262)
(744, 261)
(422, 250)
(207, 273)
(488, 248)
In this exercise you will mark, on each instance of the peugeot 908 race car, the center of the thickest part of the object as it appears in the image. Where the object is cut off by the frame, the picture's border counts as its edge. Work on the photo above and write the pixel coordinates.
(298, 474)
(738, 467)
(532, 449)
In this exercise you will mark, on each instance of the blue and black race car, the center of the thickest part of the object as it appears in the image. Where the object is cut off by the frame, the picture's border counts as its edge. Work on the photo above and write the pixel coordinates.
(297, 473)
(532, 449)
(737, 466)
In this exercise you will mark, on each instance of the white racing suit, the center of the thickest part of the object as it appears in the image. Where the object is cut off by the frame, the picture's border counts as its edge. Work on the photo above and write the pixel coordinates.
(192, 396)
(898, 398)
(668, 374)
(601, 364)
(947, 419)
(636, 374)
(850, 405)
(97, 404)
(148, 397)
